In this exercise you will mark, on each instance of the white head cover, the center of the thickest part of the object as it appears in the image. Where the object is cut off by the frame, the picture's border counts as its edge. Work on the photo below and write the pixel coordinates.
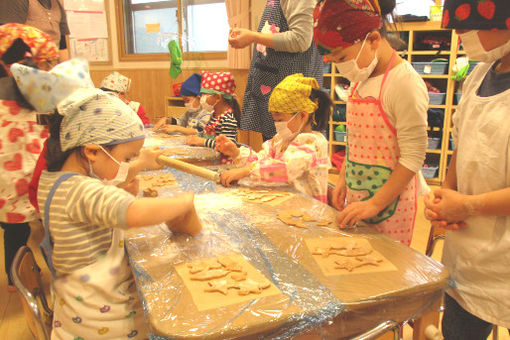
(91, 116)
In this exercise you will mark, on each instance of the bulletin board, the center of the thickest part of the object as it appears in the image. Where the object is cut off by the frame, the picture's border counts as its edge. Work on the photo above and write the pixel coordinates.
(88, 24)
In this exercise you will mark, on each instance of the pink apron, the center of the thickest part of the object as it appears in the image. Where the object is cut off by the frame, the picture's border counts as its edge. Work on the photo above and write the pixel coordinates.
(372, 154)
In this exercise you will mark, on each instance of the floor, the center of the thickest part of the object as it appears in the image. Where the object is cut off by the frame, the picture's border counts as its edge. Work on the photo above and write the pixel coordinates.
(13, 325)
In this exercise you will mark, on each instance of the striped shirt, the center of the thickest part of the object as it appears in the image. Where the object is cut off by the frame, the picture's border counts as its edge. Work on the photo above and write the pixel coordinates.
(226, 126)
(82, 212)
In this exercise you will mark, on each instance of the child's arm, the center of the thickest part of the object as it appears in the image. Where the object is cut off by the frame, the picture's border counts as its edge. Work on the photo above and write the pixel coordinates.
(358, 211)
(228, 128)
(91, 202)
(151, 211)
(338, 195)
(178, 128)
(146, 161)
(294, 162)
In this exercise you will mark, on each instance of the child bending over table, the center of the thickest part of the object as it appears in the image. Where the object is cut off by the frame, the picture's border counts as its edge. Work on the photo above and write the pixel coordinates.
(195, 118)
(298, 153)
(93, 137)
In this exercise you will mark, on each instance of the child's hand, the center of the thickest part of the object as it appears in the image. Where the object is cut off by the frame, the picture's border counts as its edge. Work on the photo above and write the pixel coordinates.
(159, 124)
(169, 128)
(187, 223)
(194, 140)
(448, 209)
(226, 146)
(229, 176)
(148, 158)
(132, 186)
(240, 37)
(356, 212)
(338, 194)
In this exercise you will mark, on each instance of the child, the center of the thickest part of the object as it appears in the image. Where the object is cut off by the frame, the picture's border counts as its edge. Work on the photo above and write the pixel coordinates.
(22, 138)
(218, 97)
(386, 130)
(473, 201)
(119, 85)
(298, 154)
(92, 139)
(195, 119)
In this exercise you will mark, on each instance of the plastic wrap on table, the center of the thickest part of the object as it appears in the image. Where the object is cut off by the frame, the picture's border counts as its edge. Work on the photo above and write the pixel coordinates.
(279, 251)
(176, 148)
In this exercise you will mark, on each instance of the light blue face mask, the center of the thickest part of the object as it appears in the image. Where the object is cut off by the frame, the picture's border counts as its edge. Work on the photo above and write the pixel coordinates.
(121, 175)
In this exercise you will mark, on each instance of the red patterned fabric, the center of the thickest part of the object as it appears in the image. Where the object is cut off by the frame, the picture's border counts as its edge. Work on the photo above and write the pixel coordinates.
(218, 82)
(41, 45)
(477, 14)
(342, 23)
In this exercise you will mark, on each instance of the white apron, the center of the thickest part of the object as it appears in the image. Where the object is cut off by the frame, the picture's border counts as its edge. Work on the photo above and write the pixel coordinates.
(478, 256)
(98, 301)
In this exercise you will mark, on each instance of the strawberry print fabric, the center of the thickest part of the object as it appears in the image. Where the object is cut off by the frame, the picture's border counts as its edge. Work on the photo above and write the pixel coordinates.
(477, 14)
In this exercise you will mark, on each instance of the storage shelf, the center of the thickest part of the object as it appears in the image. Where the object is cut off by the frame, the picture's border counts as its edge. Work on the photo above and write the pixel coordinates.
(339, 102)
(336, 143)
(432, 106)
(336, 123)
(437, 151)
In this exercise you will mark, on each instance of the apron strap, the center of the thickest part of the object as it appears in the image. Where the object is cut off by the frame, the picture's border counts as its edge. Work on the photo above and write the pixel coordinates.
(46, 244)
(387, 71)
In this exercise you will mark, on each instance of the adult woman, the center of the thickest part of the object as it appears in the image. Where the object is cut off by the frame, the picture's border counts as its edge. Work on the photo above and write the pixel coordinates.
(283, 46)
(47, 15)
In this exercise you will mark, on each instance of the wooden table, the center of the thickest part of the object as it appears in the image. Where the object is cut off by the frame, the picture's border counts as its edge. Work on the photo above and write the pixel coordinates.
(312, 304)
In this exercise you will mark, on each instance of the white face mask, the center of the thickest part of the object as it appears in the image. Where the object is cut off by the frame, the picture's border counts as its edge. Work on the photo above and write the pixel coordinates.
(206, 106)
(350, 69)
(285, 134)
(475, 51)
(121, 175)
(190, 106)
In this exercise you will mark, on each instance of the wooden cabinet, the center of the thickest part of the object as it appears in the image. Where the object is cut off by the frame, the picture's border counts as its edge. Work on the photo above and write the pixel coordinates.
(415, 51)
(174, 107)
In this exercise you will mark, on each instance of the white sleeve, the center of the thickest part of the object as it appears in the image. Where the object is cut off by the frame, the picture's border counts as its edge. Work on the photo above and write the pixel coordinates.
(299, 16)
(406, 101)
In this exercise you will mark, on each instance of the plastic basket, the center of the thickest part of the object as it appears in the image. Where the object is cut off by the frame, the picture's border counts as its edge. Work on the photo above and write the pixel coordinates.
(427, 67)
(436, 98)
(339, 113)
(339, 136)
(433, 142)
(458, 95)
(429, 172)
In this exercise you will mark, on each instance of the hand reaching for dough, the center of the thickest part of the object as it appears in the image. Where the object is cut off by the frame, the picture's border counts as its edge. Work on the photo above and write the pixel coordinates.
(226, 146)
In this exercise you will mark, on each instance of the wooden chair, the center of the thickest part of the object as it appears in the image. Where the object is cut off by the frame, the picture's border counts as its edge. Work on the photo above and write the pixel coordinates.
(436, 234)
(25, 274)
(251, 138)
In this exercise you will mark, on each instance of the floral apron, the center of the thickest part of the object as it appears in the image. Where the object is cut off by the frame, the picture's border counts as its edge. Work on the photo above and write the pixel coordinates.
(372, 154)
(98, 301)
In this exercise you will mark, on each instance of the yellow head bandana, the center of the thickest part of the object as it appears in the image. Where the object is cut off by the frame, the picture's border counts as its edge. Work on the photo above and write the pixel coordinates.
(292, 95)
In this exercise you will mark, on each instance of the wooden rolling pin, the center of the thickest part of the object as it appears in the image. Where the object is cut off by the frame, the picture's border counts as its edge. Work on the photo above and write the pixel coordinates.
(189, 168)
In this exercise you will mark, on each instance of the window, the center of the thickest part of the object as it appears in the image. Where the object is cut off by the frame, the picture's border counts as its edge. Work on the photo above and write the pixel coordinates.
(200, 26)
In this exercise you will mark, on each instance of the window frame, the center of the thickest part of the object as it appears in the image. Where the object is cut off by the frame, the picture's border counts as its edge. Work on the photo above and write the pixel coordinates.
(121, 38)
